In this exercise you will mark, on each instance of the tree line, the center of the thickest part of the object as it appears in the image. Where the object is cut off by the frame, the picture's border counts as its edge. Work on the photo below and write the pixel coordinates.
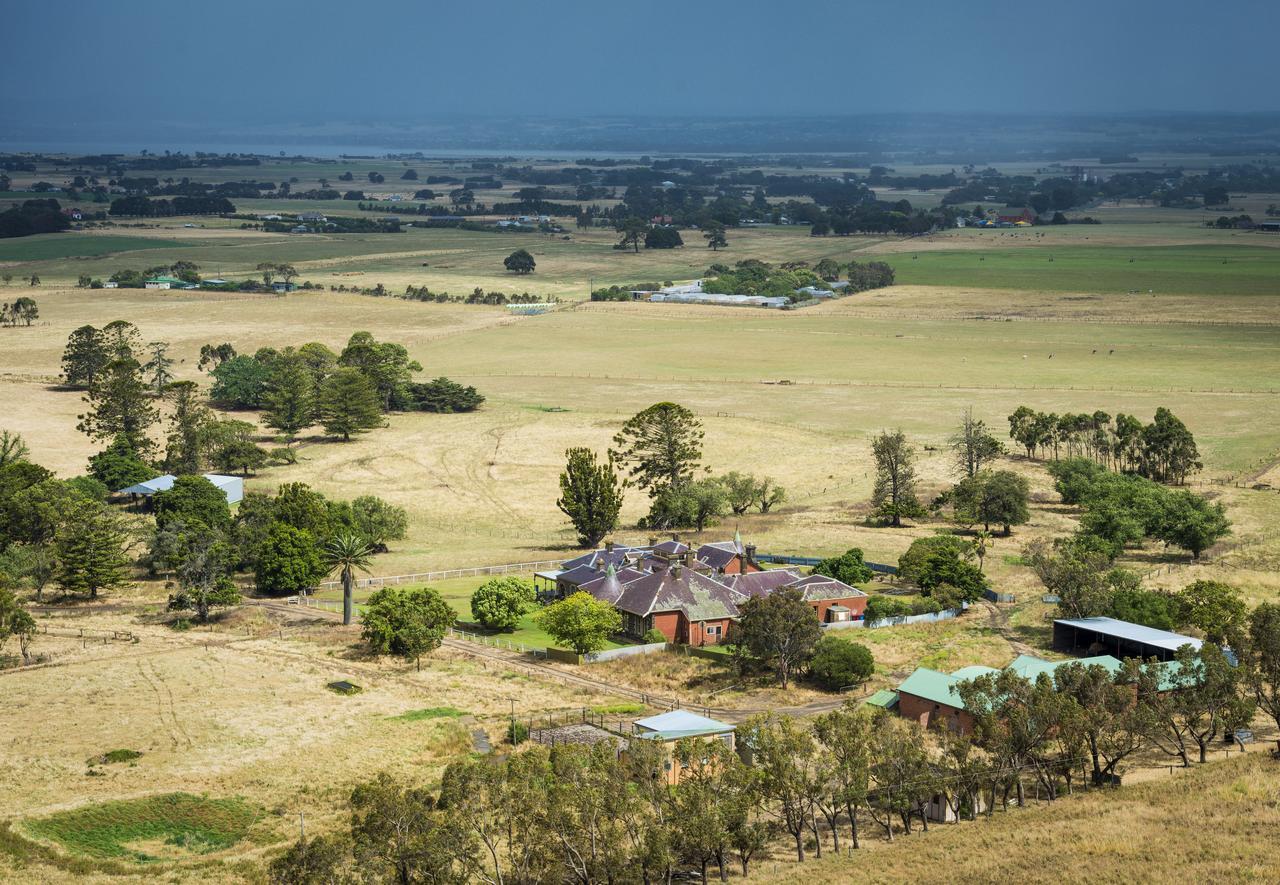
(22, 312)
(1164, 450)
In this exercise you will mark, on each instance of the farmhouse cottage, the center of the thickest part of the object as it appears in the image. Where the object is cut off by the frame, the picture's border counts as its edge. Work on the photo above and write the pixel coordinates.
(691, 596)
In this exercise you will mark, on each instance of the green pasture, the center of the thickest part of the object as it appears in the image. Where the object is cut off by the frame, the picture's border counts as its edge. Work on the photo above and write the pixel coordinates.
(190, 824)
(1163, 270)
(52, 247)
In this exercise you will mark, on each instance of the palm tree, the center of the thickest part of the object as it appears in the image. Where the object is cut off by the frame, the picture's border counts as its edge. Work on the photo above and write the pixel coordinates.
(344, 554)
(981, 542)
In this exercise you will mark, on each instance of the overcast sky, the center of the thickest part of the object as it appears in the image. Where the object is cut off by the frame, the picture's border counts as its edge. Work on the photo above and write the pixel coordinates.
(233, 62)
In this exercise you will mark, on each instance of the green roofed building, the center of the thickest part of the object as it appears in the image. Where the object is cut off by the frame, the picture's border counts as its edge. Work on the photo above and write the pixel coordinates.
(930, 696)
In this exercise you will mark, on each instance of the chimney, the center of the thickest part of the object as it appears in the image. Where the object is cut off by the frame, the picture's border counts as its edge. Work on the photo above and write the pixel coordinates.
(675, 536)
(608, 546)
(750, 553)
(653, 540)
(674, 571)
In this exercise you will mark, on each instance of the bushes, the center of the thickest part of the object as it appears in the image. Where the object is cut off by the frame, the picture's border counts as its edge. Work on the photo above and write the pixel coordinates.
(848, 567)
(880, 608)
(653, 636)
(499, 604)
(911, 562)
(838, 663)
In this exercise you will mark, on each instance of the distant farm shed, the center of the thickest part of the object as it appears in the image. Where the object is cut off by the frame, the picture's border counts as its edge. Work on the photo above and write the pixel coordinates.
(1119, 638)
(231, 486)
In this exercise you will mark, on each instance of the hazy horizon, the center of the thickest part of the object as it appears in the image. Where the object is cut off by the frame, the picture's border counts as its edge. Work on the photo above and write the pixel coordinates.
(396, 63)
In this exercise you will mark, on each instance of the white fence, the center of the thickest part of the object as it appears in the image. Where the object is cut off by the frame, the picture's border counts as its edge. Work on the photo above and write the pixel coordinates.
(513, 568)
(496, 642)
(625, 651)
(928, 618)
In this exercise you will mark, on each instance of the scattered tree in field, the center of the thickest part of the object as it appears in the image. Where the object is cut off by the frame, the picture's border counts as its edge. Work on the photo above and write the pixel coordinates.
(894, 495)
(632, 232)
(663, 238)
(663, 445)
(580, 621)
(378, 522)
(84, 358)
(769, 494)
(15, 622)
(386, 364)
(228, 445)
(590, 495)
(408, 623)
(974, 446)
(779, 630)
(91, 552)
(839, 663)
(214, 355)
(714, 234)
(999, 497)
(911, 562)
(288, 561)
(122, 340)
(695, 504)
(22, 312)
(348, 403)
(443, 395)
(500, 603)
(1192, 522)
(520, 262)
(119, 403)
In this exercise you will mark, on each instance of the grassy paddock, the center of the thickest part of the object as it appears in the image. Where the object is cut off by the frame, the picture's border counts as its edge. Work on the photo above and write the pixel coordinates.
(175, 823)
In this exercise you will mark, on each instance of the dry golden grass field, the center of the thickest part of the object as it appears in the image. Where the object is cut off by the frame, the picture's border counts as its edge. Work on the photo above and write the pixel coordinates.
(241, 710)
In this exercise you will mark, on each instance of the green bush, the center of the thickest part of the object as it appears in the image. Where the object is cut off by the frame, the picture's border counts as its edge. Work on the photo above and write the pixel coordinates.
(517, 733)
(499, 604)
(911, 562)
(654, 635)
(847, 567)
(838, 663)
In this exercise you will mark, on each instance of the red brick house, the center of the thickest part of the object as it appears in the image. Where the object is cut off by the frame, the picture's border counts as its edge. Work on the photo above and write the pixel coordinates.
(1014, 215)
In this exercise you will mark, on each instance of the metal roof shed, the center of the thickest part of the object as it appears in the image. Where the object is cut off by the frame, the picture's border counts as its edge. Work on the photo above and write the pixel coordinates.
(679, 724)
(231, 486)
(1119, 638)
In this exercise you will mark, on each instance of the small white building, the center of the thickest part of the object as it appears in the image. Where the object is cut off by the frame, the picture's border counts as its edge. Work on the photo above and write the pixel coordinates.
(231, 486)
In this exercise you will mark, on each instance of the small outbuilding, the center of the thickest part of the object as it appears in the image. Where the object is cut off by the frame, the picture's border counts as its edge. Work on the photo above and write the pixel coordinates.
(677, 725)
(231, 486)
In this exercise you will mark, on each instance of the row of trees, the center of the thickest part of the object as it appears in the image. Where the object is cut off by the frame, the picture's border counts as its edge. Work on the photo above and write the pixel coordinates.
(1164, 450)
(22, 312)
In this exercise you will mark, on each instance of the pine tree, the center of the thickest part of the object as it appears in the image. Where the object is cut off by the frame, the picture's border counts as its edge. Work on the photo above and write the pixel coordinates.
(119, 403)
(590, 495)
(91, 552)
(84, 357)
(290, 398)
(187, 427)
(348, 403)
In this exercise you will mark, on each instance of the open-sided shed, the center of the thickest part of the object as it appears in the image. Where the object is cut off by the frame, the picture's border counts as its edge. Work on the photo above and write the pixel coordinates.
(231, 486)
(1096, 636)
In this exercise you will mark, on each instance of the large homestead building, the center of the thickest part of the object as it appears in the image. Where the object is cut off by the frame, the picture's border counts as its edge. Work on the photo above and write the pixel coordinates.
(691, 596)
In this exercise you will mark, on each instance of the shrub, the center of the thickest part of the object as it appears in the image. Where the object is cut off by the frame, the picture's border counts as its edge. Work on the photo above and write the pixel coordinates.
(911, 562)
(499, 604)
(653, 635)
(838, 663)
(848, 567)
(517, 733)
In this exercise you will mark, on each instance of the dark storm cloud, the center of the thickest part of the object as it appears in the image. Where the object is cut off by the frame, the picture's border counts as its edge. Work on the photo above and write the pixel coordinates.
(265, 62)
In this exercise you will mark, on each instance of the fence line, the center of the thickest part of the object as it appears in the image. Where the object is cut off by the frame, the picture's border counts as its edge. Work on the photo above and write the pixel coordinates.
(782, 559)
(509, 568)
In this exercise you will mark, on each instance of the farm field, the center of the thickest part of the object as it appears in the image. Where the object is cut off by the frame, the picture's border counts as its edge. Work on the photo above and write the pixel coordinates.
(236, 729)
